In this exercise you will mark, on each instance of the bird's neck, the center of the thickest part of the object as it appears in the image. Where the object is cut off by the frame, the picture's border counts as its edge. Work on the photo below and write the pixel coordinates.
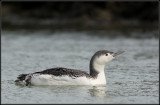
(96, 69)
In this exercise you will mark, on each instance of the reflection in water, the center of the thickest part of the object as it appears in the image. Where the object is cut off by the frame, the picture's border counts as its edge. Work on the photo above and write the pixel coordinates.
(98, 91)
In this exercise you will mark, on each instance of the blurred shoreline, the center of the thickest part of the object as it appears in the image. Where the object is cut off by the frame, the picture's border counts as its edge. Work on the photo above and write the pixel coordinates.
(51, 24)
(80, 15)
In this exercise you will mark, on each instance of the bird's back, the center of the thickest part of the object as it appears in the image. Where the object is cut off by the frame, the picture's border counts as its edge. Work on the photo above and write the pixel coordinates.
(56, 76)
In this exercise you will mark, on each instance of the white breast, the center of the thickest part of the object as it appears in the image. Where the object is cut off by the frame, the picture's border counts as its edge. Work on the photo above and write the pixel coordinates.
(45, 79)
(100, 80)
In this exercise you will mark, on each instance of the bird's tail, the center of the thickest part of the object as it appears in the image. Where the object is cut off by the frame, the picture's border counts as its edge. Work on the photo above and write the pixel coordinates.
(24, 77)
(21, 77)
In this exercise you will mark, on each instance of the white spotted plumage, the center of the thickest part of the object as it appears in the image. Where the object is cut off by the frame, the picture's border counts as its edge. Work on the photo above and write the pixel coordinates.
(97, 77)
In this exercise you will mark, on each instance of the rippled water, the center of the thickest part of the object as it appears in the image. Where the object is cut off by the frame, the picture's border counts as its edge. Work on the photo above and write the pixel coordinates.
(131, 78)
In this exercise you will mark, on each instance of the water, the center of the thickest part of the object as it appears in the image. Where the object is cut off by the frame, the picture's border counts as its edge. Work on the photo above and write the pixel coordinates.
(131, 78)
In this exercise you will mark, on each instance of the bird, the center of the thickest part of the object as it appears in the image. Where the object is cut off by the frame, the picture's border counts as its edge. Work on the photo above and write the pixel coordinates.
(66, 76)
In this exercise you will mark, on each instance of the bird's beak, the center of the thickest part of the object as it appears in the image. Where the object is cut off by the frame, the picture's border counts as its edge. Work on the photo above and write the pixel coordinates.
(120, 52)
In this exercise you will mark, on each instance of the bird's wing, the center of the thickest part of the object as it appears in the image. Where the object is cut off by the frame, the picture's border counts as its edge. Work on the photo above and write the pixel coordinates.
(64, 71)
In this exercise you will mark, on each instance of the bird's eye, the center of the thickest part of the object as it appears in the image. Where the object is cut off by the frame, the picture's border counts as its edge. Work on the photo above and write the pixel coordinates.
(106, 54)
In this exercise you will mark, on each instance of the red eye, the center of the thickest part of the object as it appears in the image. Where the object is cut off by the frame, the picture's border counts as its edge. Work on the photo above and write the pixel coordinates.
(106, 54)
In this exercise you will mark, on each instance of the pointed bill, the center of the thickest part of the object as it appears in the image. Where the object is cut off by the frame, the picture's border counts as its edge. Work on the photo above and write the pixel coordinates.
(120, 52)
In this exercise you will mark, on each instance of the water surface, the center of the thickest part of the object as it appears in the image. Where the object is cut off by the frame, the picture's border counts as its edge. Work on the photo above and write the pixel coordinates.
(131, 77)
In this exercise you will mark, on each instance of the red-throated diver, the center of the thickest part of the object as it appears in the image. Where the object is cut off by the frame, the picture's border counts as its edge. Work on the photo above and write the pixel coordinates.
(64, 76)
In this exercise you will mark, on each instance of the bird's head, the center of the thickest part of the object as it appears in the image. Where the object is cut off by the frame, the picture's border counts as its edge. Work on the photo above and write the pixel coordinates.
(102, 57)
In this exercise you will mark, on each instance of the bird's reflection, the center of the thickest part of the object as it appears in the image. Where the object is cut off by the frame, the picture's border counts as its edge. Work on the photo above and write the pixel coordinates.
(98, 91)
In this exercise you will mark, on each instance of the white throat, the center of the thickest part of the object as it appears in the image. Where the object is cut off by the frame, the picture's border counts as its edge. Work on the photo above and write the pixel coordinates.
(98, 67)
(101, 79)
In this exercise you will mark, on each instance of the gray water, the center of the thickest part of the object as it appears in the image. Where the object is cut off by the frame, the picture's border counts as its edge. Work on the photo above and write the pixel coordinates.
(132, 77)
